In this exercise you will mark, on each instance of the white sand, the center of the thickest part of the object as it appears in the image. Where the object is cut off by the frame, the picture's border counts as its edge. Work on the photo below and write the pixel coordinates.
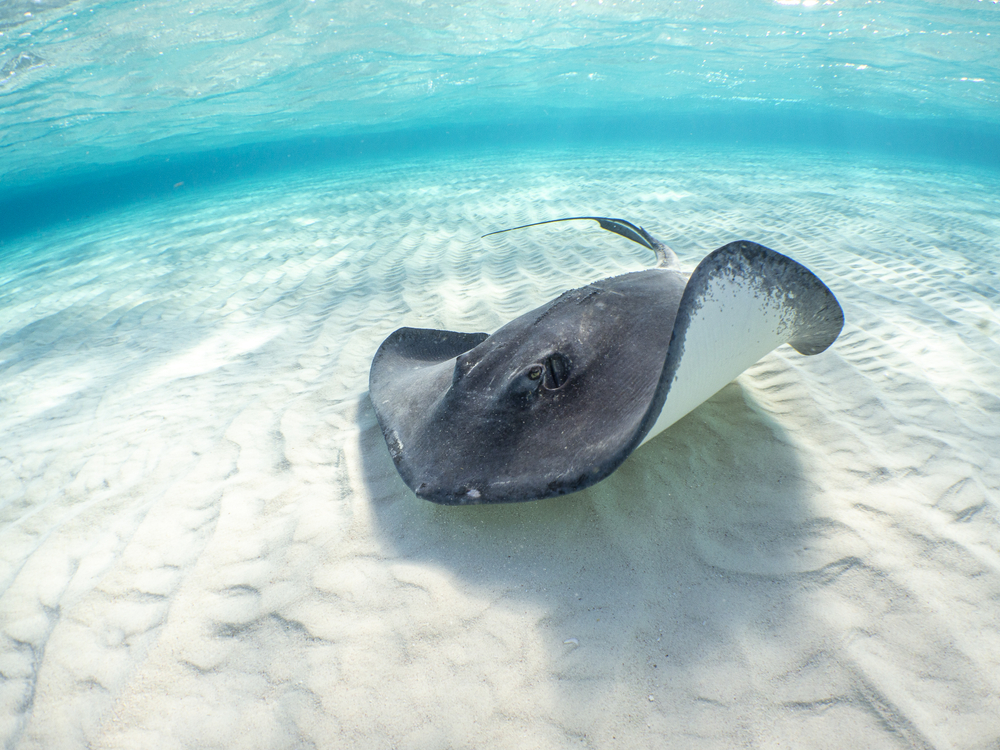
(204, 544)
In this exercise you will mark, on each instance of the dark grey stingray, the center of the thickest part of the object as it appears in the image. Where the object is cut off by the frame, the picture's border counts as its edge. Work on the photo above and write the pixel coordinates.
(558, 398)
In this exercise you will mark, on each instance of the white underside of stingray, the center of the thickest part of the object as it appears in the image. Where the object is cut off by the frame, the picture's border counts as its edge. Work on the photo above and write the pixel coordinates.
(736, 324)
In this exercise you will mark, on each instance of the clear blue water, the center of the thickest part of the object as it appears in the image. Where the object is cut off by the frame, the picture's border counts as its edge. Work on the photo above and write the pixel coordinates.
(212, 213)
(104, 103)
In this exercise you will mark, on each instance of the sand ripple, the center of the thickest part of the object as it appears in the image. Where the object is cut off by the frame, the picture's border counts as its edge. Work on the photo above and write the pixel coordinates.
(203, 542)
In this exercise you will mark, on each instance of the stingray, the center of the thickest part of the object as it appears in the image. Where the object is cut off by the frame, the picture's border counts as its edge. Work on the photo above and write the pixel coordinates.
(558, 398)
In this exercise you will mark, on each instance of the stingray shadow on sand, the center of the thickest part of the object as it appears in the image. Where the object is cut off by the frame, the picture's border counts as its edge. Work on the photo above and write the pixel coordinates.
(695, 536)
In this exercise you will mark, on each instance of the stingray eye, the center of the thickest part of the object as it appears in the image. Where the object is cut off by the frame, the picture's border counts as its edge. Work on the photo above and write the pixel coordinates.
(535, 372)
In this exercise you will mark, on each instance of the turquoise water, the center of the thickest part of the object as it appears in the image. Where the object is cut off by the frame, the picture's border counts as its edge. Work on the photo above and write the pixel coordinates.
(211, 215)
(107, 103)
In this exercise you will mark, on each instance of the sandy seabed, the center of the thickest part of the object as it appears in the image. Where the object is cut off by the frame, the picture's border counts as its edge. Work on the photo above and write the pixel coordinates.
(204, 543)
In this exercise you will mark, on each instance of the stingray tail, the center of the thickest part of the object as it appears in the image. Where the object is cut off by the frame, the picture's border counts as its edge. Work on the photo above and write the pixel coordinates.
(664, 255)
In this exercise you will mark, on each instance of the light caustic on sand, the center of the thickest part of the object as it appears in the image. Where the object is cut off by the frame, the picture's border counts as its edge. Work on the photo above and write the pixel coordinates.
(203, 541)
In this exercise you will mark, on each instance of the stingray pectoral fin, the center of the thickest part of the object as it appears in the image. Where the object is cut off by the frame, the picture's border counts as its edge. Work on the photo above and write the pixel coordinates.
(410, 364)
(741, 302)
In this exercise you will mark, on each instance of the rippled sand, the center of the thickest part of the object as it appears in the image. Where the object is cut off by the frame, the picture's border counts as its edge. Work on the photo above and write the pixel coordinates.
(203, 541)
